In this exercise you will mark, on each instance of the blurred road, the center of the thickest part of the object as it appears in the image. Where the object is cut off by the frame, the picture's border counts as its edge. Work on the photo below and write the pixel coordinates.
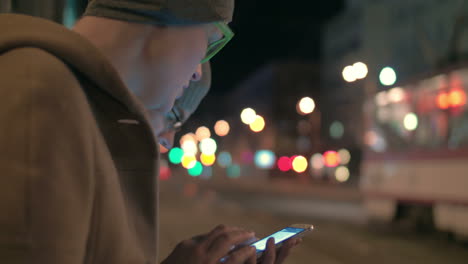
(340, 236)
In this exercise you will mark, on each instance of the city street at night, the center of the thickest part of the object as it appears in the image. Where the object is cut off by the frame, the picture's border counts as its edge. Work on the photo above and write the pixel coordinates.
(333, 241)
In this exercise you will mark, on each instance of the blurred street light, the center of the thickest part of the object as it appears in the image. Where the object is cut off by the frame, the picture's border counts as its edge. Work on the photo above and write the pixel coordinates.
(299, 164)
(410, 122)
(387, 76)
(248, 116)
(208, 146)
(175, 155)
(348, 74)
(207, 160)
(342, 174)
(196, 170)
(224, 159)
(317, 161)
(265, 159)
(202, 133)
(306, 106)
(190, 147)
(336, 130)
(222, 128)
(331, 159)
(345, 156)
(258, 125)
(188, 161)
(355, 72)
(360, 70)
(284, 163)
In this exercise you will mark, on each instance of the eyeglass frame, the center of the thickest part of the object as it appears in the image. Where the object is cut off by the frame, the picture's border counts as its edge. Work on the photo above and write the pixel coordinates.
(227, 36)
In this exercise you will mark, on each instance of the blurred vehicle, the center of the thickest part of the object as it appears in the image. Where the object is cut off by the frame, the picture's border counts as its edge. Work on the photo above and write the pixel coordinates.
(415, 167)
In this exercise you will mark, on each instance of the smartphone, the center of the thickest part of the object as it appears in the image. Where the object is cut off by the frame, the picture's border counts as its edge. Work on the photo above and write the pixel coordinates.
(292, 231)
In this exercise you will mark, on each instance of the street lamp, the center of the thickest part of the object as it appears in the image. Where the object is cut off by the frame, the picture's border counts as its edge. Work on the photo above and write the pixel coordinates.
(387, 76)
(306, 106)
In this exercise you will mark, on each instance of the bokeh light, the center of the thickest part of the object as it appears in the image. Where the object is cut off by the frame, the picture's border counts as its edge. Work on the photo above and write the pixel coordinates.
(410, 121)
(342, 174)
(316, 161)
(247, 156)
(207, 173)
(396, 95)
(336, 130)
(248, 115)
(222, 128)
(196, 170)
(175, 155)
(224, 159)
(208, 146)
(299, 164)
(188, 161)
(345, 156)
(457, 98)
(233, 171)
(207, 160)
(188, 137)
(306, 106)
(360, 70)
(258, 125)
(387, 76)
(443, 101)
(381, 98)
(190, 147)
(164, 170)
(265, 159)
(331, 159)
(348, 74)
(202, 133)
(284, 163)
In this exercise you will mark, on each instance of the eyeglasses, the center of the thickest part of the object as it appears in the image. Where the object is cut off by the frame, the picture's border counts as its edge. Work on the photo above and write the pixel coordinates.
(174, 121)
(218, 45)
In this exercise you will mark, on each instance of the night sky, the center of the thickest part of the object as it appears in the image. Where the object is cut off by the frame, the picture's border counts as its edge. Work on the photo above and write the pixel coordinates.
(270, 30)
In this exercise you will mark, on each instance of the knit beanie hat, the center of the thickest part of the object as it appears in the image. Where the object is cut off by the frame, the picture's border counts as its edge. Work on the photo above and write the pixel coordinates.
(190, 99)
(163, 12)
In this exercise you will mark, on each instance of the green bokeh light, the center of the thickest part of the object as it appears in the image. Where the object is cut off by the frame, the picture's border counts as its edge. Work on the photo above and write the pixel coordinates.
(196, 170)
(234, 171)
(175, 155)
(336, 130)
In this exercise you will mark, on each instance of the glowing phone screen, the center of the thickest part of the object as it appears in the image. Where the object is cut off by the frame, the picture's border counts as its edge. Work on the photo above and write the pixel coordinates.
(279, 237)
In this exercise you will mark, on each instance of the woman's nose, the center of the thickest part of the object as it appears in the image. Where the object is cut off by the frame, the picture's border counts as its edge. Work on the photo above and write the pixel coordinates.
(197, 75)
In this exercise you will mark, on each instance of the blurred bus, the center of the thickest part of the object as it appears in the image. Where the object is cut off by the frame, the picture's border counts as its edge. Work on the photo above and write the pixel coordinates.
(415, 167)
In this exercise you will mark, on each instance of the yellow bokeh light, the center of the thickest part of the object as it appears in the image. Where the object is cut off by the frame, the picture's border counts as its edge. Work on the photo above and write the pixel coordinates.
(207, 160)
(306, 105)
(299, 164)
(342, 174)
(188, 161)
(202, 133)
(222, 128)
(410, 122)
(258, 125)
(248, 116)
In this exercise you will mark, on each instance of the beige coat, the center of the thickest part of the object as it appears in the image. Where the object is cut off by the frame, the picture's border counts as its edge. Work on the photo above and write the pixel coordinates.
(78, 159)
